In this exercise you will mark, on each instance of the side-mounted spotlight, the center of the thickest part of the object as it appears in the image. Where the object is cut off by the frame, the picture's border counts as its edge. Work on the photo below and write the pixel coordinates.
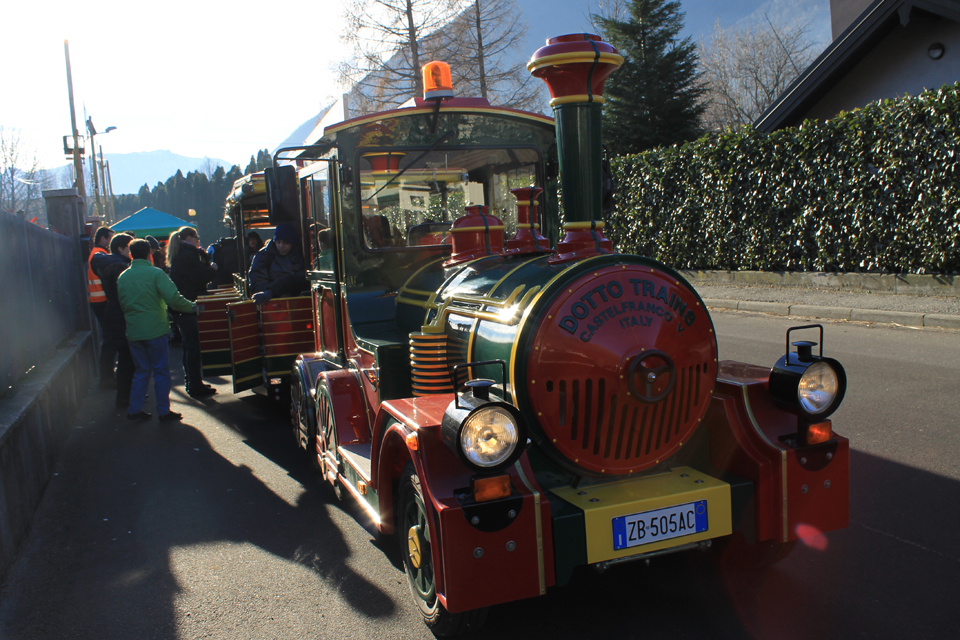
(486, 434)
(811, 385)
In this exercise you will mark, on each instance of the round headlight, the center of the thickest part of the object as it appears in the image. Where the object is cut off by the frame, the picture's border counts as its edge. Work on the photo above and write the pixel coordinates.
(818, 388)
(489, 436)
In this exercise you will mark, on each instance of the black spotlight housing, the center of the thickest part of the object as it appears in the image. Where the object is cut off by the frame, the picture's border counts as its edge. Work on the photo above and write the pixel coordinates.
(788, 373)
(465, 406)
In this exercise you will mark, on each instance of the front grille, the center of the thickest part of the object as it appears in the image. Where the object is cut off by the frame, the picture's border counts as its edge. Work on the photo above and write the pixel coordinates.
(603, 422)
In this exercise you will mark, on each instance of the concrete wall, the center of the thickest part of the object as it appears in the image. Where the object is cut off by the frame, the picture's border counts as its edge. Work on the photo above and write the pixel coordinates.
(34, 425)
(899, 64)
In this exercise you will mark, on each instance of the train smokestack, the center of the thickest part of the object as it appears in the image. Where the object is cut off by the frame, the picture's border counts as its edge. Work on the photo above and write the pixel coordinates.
(575, 68)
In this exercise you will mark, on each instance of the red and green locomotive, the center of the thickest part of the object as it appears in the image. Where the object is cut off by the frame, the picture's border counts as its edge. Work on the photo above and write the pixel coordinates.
(503, 391)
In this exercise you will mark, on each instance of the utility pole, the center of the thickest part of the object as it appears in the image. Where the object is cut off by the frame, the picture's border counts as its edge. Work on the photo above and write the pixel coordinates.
(77, 158)
(93, 165)
(109, 187)
(103, 186)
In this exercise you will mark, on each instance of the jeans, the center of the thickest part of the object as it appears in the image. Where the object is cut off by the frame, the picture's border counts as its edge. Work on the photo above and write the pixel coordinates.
(150, 356)
(192, 366)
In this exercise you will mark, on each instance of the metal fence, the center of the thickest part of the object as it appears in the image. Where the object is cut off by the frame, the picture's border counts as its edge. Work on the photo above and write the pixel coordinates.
(42, 296)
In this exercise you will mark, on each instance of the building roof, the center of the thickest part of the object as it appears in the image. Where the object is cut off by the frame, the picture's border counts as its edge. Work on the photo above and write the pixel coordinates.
(150, 222)
(849, 48)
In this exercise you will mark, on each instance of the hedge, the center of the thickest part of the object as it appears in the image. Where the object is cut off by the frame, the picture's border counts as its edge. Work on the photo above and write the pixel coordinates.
(875, 189)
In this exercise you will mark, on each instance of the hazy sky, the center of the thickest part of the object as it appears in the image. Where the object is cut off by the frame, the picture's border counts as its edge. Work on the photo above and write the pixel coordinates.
(224, 79)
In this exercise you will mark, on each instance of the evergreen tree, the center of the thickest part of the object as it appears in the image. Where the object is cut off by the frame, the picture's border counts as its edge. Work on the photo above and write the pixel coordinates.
(264, 160)
(198, 191)
(655, 98)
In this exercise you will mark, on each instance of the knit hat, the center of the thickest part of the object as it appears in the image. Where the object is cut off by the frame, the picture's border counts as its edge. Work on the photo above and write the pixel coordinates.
(287, 232)
(154, 245)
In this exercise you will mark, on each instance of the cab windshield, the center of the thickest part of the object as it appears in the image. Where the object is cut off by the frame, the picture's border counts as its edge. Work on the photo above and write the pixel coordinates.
(410, 197)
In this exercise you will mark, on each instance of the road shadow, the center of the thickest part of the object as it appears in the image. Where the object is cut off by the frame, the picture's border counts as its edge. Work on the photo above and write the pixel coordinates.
(131, 494)
(99, 561)
(891, 569)
(265, 427)
(890, 574)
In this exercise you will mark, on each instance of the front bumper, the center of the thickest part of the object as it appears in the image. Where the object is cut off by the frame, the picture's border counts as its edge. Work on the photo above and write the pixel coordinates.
(600, 504)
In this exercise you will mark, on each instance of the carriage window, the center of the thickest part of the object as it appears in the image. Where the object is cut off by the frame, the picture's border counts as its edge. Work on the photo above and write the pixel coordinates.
(408, 200)
(316, 195)
(319, 198)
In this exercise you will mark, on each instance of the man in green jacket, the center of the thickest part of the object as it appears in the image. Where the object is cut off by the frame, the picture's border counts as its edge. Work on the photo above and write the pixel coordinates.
(145, 292)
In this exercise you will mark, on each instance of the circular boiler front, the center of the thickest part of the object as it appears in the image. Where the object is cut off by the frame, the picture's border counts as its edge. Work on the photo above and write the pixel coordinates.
(620, 369)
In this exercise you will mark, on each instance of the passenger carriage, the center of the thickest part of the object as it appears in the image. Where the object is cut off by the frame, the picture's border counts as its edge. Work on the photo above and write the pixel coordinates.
(254, 345)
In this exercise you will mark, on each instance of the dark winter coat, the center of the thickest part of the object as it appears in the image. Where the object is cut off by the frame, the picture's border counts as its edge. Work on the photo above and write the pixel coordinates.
(283, 275)
(108, 267)
(226, 258)
(191, 271)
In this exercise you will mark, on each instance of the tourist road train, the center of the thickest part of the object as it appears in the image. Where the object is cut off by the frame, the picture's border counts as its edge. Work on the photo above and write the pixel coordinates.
(499, 388)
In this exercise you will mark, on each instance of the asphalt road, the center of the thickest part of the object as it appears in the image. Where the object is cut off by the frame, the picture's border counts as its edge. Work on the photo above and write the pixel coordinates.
(216, 528)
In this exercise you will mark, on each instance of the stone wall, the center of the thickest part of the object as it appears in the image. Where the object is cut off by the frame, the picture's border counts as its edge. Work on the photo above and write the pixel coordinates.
(34, 425)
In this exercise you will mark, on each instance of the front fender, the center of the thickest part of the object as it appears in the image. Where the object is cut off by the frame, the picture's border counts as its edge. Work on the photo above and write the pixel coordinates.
(349, 405)
(474, 549)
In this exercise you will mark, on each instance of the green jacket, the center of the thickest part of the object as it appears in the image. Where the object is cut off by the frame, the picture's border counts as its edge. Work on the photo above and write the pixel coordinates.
(142, 290)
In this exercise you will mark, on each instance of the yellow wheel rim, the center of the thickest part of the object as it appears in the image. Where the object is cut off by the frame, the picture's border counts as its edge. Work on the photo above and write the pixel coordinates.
(414, 546)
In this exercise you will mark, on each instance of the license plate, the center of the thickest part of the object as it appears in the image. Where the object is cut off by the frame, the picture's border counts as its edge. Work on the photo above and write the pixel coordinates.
(659, 524)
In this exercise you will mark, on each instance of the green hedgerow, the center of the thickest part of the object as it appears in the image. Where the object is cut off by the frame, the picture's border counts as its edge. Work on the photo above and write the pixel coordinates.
(875, 189)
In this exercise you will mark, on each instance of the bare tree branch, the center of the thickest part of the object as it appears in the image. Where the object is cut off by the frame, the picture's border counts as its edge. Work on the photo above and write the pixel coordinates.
(746, 69)
(393, 39)
(22, 178)
(609, 11)
(483, 42)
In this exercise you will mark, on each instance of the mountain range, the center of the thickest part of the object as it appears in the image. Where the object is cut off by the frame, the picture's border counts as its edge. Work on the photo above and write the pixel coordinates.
(130, 171)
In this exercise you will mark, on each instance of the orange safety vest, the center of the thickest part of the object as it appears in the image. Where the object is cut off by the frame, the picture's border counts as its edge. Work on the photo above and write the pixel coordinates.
(94, 286)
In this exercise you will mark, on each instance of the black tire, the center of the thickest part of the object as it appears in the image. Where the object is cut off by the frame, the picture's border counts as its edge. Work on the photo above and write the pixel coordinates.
(413, 535)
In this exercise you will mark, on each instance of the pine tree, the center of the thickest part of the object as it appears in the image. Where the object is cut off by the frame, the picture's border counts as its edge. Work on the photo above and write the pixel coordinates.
(264, 159)
(655, 98)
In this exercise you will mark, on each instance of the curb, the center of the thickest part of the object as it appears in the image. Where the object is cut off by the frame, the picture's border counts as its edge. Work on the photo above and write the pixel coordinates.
(904, 318)
(902, 284)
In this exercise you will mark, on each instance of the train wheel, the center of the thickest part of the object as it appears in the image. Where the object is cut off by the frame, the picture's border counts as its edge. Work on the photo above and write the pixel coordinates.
(415, 549)
(301, 413)
(322, 440)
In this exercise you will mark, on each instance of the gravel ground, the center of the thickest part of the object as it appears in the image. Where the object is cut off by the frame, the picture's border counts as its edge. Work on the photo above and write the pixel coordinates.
(832, 298)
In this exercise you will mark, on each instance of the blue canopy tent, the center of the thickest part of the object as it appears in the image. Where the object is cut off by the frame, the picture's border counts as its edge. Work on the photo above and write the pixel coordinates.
(150, 222)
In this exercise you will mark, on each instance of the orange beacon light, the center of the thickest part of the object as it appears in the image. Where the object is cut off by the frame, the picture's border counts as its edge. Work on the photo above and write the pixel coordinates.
(437, 84)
